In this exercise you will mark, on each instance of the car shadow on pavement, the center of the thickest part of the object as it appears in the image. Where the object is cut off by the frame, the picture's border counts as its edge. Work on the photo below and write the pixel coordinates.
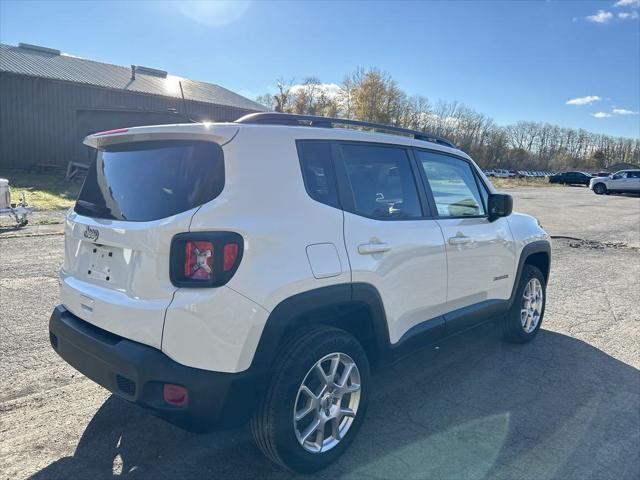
(471, 408)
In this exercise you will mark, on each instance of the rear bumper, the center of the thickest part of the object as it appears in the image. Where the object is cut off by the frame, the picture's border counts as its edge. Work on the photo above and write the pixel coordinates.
(137, 373)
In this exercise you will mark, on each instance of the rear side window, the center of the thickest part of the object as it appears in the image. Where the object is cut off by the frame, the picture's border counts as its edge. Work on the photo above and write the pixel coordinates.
(317, 171)
(146, 181)
(453, 185)
(381, 182)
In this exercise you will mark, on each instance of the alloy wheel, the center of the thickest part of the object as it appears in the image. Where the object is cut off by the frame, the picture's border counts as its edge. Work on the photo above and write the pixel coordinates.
(327, 402)
(532, 302)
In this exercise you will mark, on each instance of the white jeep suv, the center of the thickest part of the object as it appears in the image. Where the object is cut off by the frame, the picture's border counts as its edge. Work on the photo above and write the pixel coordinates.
(624, 181)
(263, 269)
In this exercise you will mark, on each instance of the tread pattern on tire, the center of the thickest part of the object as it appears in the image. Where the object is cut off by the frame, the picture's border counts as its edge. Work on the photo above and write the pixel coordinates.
(512, 331)
(261, 429)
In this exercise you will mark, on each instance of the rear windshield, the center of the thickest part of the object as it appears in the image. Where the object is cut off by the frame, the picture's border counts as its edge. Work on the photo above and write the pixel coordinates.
(145, 181)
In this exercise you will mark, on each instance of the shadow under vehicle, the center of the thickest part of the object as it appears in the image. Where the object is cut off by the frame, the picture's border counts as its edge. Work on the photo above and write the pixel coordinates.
(470, 408)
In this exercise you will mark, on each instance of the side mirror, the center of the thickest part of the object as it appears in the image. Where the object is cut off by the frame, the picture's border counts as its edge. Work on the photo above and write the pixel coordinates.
(500, 205)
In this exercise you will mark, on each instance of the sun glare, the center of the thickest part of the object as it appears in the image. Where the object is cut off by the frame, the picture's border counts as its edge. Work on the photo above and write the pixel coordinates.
(213, 13)
(172, 85)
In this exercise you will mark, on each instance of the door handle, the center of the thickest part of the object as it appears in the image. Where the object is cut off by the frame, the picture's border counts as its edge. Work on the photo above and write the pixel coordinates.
(371, 248)
(460, 240)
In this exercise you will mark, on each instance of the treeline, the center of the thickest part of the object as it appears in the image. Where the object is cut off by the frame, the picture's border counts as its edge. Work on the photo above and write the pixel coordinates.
(373, 95)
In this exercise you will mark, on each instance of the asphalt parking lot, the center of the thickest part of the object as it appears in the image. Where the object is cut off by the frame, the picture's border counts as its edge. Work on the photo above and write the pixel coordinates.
(566, 406)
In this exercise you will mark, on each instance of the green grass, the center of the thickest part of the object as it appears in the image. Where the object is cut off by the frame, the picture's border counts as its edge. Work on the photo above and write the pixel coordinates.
(521, 182)
(46, 192)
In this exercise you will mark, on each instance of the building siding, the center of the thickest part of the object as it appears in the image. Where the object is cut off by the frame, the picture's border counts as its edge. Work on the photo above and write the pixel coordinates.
(43, 121)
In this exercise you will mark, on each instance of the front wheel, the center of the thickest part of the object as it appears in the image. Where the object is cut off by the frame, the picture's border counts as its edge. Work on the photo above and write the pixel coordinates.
(522, 322)
(600, 189)
(316, 401)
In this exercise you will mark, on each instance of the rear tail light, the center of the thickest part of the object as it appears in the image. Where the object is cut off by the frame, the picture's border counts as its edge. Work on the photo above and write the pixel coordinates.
(230, 256)
(204, 259)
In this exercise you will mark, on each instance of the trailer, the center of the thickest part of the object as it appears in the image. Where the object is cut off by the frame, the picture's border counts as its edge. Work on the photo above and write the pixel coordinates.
(17, 211)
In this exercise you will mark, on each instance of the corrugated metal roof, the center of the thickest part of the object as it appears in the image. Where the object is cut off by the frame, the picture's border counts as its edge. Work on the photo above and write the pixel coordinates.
(26, 61)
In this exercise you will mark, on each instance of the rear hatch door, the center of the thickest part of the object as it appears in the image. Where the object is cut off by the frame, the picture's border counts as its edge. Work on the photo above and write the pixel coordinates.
(136, 197)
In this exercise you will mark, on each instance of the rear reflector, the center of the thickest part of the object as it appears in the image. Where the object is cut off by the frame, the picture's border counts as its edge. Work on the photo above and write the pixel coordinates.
(111, 132)
(175, 394)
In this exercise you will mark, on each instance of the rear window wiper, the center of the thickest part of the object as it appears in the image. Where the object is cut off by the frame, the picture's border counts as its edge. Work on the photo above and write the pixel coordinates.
(92, 207)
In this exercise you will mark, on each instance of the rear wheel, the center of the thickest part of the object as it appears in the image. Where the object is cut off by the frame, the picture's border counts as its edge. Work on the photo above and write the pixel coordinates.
(600, 189)
(522, 322)
(316, 401)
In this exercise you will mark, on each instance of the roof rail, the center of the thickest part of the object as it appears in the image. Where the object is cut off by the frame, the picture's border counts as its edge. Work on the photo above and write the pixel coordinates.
(275, 118)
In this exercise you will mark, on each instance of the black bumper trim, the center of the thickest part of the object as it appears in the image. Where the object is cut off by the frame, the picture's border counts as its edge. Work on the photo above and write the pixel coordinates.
(137, 373)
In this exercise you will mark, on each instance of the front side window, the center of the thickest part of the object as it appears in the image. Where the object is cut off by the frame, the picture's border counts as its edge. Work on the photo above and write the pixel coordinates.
(453, 185)
(620, 175)
(381, 182)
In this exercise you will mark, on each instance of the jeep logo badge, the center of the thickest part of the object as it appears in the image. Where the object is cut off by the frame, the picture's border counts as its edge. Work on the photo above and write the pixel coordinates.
(91, 233)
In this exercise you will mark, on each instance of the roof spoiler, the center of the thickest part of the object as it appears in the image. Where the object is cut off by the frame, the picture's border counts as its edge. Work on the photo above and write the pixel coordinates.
(220, 133)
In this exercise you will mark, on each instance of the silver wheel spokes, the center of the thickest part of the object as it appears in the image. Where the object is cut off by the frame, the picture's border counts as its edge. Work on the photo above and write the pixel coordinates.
(532, 302)
(327, 402)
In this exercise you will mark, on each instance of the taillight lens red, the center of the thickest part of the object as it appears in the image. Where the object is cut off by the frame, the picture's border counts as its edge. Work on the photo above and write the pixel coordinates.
(198, 260)
(230, 254)
(204, 259)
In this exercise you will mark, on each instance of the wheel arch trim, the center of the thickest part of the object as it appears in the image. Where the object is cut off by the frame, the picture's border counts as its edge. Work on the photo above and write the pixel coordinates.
(538, 246)
(292, 313)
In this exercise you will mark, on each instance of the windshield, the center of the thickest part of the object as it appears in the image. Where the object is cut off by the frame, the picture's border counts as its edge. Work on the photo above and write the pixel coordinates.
(146, 181)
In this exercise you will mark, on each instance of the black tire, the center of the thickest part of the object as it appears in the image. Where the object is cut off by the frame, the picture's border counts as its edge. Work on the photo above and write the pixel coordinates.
(600, 189)
(513, 330)
(272, 425)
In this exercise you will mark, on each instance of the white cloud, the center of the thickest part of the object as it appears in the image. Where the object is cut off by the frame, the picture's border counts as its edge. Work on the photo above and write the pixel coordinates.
(628, 15)
(624, 111)
(627, 3)
(331, 90)
(600, 17)
(601, 114)
(588, 100)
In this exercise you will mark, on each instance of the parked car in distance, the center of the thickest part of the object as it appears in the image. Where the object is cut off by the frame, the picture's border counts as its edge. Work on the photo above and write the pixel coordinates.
(624, 181)
(601, 174)
(571, 178)
(501, 173)
(211, 297)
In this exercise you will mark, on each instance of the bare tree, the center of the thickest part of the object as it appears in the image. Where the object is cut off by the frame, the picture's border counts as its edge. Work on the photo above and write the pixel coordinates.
(373, 95)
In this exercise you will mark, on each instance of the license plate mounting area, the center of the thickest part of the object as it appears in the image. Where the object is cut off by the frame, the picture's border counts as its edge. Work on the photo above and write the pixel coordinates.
(101, 263)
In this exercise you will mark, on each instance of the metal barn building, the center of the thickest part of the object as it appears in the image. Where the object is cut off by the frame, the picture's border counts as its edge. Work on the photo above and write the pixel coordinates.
(50, 101)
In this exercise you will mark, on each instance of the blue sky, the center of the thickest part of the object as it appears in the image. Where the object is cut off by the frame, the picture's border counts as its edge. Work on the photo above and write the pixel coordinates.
(512, 60)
